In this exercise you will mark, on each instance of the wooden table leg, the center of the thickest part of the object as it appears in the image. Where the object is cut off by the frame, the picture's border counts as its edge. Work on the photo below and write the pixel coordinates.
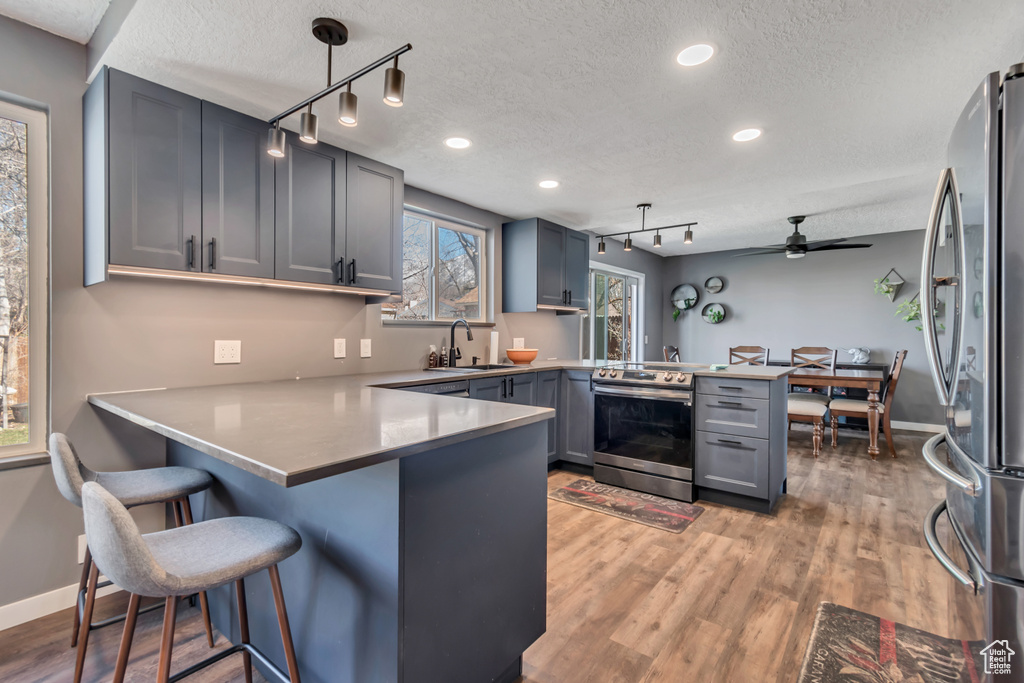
(873, 423)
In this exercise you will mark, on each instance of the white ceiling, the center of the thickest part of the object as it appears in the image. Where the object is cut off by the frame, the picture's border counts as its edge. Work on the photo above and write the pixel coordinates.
(73, 19)
(856, 99)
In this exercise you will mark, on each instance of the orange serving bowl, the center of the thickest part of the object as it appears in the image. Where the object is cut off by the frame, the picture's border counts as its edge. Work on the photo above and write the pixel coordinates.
(521, 356)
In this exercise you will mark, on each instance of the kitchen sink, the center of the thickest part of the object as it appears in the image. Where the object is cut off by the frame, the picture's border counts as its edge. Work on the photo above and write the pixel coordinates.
(471, 368)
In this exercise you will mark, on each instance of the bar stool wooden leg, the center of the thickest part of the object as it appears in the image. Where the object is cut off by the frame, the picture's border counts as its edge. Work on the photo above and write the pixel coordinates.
(167, 640)
(90, 601)
(82, 583)
(243, 627)
(204, 603)
(177, 513)
(126, 638)
(282, 621)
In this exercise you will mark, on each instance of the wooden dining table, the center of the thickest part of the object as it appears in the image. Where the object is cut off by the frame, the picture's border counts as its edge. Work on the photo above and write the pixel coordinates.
(871, 380)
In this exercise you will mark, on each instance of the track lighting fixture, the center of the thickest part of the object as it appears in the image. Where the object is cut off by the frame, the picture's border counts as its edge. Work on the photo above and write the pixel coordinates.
(332, 32)
(627, 244)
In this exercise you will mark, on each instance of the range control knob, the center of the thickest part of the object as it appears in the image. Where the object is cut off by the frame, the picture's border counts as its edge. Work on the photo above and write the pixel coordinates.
(668, 377)
(612, 373)
(602, 372)
(681, 378)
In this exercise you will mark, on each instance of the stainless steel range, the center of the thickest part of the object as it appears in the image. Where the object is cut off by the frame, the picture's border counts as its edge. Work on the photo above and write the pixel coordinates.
(643, 427)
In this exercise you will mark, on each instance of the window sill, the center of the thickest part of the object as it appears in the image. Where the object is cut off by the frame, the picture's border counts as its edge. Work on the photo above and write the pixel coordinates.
(18, 461)
(430, 323)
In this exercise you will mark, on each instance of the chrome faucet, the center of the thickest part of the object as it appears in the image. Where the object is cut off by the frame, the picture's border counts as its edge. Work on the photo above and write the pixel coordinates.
(453, 353)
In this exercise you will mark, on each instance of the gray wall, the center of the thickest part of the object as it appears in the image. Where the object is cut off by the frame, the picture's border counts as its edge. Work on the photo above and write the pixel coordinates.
(825, 299)
(133, 334)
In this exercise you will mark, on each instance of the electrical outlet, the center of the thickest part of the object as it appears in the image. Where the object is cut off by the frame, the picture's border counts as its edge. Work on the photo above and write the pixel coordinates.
(364, 348)
(645, 339)
(227, 351)
(81, 549)
(339, 348)
(518, 343)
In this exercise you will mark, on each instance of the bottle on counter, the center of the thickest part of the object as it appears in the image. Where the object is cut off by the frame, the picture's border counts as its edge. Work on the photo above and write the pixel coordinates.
(432, 357)
(443, 360)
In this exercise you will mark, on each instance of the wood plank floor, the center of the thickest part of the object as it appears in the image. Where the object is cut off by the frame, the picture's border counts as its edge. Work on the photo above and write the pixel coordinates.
(732, 598)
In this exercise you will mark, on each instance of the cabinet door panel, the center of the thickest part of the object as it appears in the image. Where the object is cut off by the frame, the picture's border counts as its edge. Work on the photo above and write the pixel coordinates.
(155, 173)
(374, 228)
(550, 264)
(547, 397)
(577, 419)
(238, 194)
(729, 415)
(522, 389)
(488, 389)
(577, 267)
(310, 226)
(730, 463)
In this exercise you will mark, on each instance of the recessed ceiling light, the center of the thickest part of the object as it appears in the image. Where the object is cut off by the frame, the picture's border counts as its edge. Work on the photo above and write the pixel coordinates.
(549, 184)
(458, 143)
(747, 134)
(695, 54)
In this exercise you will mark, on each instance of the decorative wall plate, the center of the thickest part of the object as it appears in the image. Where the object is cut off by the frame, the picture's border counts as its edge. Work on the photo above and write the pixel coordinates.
(685, 297)
(713, 313)
(714, 284)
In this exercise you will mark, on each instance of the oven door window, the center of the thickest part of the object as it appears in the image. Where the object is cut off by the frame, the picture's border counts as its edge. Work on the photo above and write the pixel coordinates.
(653, 430)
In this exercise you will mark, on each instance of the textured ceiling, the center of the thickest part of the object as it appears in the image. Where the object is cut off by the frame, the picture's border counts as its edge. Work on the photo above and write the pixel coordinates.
(74, 19)
(856, 98)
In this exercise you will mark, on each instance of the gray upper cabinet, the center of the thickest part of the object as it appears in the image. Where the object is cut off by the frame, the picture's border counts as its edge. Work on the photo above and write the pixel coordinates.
(238, 195)
(144, 175)
(544, 265)
(376, 193)
(311, 214)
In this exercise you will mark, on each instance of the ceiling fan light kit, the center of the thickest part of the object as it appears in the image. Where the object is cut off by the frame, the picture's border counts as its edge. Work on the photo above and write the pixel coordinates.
(334, 33)
(627, 244)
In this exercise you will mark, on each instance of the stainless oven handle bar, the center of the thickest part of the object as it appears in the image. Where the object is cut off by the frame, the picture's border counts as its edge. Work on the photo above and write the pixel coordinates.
(971, 488)
(636, 392)
(932, 539)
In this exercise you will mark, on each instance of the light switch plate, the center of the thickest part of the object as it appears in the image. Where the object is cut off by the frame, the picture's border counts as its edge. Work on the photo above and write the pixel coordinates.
(518, 343)
(227, 351)
(339, 348)
(364, 348)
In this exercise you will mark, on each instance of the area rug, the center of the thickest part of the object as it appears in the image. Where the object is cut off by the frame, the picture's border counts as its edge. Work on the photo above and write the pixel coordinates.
(847, 645)
(661, 513)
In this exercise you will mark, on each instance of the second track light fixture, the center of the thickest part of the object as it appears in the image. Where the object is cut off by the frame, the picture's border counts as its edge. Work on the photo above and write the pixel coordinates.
(627, 244)
(333, 32)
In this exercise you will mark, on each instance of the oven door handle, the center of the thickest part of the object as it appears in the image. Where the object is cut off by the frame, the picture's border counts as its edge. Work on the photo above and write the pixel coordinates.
(967, 578)
(633, 392)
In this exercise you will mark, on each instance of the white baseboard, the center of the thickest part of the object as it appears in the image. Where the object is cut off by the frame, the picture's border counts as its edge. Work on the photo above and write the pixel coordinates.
(38, 606)
(918, 427)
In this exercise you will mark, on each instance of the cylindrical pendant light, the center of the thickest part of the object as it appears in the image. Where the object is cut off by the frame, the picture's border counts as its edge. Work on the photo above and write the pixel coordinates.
(657, 240)
(308, 126)
(688, 238)
(347, 104)
(275, 141)
(628, 244)
(600, 246)
(394, 85)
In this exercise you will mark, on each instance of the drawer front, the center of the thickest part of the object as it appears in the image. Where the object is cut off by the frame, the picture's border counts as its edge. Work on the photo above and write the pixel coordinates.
(648, 483)
(730, 415)
(731, 463)
(737, 388)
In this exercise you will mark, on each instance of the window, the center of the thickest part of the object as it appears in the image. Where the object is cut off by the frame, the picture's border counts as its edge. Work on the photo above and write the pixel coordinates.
(24, 226)
(611, 327)
(443, 272)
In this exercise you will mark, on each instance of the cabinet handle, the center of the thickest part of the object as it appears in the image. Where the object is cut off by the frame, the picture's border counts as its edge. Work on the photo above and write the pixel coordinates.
(731, 388)
(352, 273)
(512, 387)
(341, 271)
(730, 403)
(568, 299)
(191, 252)
(504, 389)
(213, 253)
(729, 441)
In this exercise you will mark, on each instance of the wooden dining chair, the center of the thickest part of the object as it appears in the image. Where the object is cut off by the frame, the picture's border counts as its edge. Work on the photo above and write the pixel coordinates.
(840, 407)
(671, 354)
(820, 357)
(748, 355)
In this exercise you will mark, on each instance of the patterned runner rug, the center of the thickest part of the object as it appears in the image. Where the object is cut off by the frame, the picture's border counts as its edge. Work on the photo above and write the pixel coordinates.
(847, 645)
(661, 513)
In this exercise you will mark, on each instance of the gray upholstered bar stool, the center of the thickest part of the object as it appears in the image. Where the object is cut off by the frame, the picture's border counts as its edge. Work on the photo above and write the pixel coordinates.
(139, 487)
(190, 559)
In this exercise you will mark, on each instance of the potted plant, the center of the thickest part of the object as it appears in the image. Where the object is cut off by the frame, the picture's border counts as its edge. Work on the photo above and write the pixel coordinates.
(910, 311)
(889, 285)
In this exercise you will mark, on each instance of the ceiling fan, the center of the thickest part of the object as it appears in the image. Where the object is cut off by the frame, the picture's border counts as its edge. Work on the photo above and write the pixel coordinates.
(797, 246)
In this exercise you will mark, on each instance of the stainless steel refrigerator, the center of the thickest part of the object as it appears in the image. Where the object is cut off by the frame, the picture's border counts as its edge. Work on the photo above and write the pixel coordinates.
(972, 308)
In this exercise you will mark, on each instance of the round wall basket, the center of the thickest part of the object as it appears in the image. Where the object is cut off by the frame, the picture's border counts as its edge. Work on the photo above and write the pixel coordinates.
(685, 297)
(714, 285)
(713, 313)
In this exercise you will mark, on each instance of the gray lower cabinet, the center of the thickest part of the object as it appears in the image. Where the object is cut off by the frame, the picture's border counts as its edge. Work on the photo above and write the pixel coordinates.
(238, 195)
(740, 441)
(373, 242)
(522, 389)
(311, 212)
(548, 391)
(576, 438)
(143, 176)
(489, 389)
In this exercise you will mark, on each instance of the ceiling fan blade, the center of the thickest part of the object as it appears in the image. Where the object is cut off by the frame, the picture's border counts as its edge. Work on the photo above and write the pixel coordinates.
(818, 244)
(760, 252)
(841, 246)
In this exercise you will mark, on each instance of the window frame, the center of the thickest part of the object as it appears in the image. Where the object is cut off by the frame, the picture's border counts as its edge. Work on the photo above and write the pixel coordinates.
(447, 222)
(38, 175)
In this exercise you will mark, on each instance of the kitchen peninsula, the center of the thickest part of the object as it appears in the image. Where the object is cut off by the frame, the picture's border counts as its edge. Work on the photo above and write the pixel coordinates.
(423, 518)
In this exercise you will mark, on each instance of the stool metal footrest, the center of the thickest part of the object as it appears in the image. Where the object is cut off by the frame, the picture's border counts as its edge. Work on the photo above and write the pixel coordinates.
(213, 659)
(112, 620)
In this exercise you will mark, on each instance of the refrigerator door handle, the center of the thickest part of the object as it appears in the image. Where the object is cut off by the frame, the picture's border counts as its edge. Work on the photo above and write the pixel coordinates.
(968, 486)
(967, 578)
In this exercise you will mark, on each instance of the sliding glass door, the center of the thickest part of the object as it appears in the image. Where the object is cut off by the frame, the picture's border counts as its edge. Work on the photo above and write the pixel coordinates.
(612, 324)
